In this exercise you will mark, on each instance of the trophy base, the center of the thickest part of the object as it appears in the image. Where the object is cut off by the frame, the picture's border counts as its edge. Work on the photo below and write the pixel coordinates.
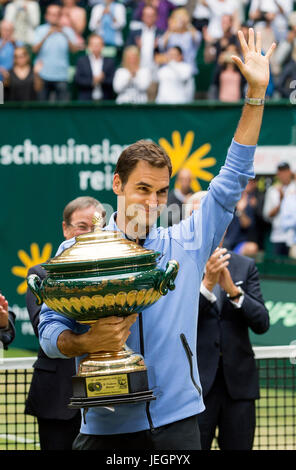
(137, 397)
(111, 389)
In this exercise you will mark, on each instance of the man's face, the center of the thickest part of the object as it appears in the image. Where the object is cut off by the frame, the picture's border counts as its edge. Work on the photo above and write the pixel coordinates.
(184, 181)
(149, 16)
(81, 222)
(96, 45)
(285, 176)
(174, 54)
(6, 30)
(143, 197)
(53, 14)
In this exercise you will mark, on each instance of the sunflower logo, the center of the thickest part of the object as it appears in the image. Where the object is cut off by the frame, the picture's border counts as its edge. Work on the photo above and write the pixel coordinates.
(181, 157)
(29, 261)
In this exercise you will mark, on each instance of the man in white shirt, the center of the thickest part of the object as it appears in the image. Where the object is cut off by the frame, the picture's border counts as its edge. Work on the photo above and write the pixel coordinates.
(175, 79)
(272, 210)
(146, 38)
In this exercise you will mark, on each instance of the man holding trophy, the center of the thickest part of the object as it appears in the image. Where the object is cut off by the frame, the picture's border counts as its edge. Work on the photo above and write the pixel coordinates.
(166, 332)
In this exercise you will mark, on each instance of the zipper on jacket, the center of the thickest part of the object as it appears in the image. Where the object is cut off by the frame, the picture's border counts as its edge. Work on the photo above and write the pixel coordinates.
(189, 357)
(142, 349)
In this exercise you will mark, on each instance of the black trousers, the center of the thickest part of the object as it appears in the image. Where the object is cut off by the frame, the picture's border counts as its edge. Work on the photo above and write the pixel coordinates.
(58, 434)
(235, 419)
(180, 435)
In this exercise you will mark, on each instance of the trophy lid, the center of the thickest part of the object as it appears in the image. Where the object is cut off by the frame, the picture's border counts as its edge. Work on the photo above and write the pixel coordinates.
(101, 249)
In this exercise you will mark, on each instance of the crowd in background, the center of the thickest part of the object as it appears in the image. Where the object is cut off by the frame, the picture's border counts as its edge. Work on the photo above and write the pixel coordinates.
(137, 51)
(264, 221)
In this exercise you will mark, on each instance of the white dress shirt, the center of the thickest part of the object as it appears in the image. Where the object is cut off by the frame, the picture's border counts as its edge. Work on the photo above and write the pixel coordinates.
(96, 66)
(147, 46)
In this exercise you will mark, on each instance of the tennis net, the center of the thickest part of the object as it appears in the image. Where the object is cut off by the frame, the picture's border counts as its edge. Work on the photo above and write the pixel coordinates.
(275, 410)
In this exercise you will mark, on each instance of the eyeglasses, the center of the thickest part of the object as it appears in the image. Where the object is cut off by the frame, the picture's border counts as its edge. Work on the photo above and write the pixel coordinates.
(83, 227)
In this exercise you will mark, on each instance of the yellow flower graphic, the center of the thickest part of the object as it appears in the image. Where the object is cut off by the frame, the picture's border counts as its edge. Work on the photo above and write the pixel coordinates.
(28, 262)
(179, 154)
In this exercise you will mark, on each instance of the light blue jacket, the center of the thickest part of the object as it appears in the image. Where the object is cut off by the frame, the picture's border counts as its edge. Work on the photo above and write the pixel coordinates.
(190, 243)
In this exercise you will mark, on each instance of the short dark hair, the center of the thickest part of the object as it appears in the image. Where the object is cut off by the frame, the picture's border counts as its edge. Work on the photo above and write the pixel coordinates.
(142, 150)
(178, 48)
(81, 203)
(94, 35)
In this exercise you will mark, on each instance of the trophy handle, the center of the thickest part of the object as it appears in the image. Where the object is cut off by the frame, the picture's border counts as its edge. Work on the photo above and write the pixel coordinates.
(170, 274)
(34, 282)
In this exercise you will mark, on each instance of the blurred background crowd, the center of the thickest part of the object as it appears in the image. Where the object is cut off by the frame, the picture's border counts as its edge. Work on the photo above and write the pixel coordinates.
(264, 221)
(138, 51)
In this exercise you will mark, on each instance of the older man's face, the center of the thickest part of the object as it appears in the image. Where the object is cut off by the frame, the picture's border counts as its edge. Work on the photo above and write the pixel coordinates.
(6, 30)
(81, 222)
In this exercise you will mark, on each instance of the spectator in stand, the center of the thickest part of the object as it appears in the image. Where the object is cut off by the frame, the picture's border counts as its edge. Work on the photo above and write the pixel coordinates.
(286, 50)
(7, 46)
(288, 221)
(219, 8)
(25, 16)
(285, 80)
(175, 79)
(228, 83)
(163, 10)
(213, 47)
(94, 73)
(74, 17)
(146, 39)
(245, 234)
(7, 321)
(200, 15)
(275, 12)
(52, 44)
(181, 33)
(108, 20)
(179, 196)
(22, 82)
(272, 209)
(131, 81)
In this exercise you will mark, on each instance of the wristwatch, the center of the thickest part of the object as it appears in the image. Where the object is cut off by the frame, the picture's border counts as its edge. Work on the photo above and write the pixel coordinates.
(237, 296)
(254, 101)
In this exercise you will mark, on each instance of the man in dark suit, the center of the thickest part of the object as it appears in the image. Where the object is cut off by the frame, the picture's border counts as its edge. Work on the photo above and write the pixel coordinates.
(94, 73)
(7, 321)
(146, 39)
(230, 303)
(51, 386)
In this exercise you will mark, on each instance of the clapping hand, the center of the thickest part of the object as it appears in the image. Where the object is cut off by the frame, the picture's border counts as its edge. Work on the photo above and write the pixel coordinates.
(3, 312)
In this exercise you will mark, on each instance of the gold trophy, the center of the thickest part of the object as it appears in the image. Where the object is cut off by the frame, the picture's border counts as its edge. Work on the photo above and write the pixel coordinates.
(103, 274)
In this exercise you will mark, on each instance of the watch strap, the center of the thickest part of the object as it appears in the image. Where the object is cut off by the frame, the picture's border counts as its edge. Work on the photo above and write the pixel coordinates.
(237, 296)
(254, 101)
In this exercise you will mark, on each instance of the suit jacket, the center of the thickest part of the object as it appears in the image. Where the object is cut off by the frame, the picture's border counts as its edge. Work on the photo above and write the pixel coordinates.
(7, 335)
(51, 385)
(223, 333)
(137, 33)
(84, 78)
